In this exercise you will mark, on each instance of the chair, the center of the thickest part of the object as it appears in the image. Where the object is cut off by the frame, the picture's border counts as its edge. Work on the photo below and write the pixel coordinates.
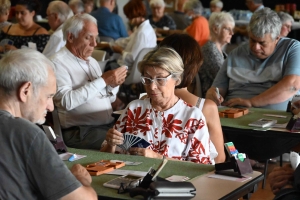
(135, 75)
(106, 39)
(99, 55)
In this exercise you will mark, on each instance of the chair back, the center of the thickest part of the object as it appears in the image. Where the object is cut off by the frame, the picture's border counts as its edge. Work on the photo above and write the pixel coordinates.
(106, 39)
(99, 55)
(135, 75)
(198, 88)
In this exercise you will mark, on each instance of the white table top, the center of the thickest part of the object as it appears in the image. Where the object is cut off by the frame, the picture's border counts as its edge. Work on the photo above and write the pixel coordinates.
(212, 188)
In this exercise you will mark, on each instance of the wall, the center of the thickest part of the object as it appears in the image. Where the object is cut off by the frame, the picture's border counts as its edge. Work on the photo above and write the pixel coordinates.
(240, 4)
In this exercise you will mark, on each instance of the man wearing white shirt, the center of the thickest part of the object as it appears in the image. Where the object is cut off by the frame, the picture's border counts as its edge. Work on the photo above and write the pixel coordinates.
(57, 12)
(84, 94)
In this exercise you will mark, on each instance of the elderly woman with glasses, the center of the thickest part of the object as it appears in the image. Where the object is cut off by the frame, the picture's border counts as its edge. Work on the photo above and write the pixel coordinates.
(221, 25)
(287, 22)
(173, 128)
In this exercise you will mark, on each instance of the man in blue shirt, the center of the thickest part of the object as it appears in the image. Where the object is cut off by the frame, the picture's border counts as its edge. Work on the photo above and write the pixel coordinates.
(263, 72)
(109, 24)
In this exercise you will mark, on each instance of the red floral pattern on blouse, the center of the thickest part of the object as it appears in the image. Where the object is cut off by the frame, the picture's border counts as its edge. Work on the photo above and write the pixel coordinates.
(179, 132)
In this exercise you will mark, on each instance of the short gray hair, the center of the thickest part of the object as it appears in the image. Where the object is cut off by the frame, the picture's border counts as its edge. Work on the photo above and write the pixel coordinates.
(218, 19)
(265, 21)
(217, 3)
(194, 5)
(78, 3)
(160, 3)
(165, 58)
(23, 65)
(74, 25)
(62, 10)
(284, 17)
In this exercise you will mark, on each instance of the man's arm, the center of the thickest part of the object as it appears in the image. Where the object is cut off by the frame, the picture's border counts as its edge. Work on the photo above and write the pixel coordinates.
(278, 93)
(85, 191)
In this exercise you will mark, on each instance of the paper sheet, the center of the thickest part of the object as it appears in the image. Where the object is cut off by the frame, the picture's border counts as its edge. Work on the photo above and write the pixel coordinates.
(230, 178)
(123, 172)
(67, 155)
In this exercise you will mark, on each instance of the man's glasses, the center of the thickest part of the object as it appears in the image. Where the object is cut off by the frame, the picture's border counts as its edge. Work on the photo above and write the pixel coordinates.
(157, 81)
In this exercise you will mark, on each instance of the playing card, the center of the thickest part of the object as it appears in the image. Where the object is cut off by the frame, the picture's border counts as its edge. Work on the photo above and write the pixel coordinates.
(133, 141)
(141, 144)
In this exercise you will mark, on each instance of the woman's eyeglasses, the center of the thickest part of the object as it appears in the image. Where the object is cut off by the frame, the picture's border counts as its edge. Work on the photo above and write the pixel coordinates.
(157, 81)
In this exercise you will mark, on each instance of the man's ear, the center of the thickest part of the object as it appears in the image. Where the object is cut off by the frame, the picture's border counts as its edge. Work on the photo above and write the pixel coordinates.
(70, 37)
(24, 91)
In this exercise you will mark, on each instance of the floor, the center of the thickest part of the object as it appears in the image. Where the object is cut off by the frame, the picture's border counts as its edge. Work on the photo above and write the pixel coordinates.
(266, 193)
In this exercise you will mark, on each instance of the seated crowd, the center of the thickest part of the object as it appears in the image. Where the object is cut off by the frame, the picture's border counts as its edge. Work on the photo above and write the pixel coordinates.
(40, 72)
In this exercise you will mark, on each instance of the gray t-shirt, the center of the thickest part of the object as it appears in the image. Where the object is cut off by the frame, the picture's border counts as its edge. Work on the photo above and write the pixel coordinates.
(245, 76)
(29, 165)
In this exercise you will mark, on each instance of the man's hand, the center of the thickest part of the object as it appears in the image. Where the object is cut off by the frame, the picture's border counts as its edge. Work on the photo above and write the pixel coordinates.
(238, 102)
(144, 152)
(81, 174)
(280, 178)
(115, 77)
(212, 95)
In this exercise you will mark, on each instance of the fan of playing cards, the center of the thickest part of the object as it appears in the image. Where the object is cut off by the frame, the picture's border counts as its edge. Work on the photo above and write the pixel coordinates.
(133, 141)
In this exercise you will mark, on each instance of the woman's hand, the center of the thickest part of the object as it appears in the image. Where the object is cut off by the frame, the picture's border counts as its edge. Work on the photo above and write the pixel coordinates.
(144, 152)
(8, 47)
(114, 137)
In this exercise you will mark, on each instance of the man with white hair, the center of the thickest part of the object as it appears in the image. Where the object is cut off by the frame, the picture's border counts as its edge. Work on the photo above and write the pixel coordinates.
(30, 167)
(77, 6)
(216, 6)
(263, 72)
(57, 12)
(84, 94)
(109, 23)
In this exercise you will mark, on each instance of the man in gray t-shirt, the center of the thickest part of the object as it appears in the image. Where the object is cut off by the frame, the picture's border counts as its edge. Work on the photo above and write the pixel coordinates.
(30, 167)
(263, 73)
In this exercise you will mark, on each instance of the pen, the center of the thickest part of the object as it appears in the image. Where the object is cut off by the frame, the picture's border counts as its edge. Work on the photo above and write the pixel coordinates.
(218, 93)
(72, 157)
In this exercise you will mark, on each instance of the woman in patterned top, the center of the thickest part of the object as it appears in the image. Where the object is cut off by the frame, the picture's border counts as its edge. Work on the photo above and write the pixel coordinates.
(221, 26)
(174, 128)
(184, 44)
(158, 19)
(26, 33)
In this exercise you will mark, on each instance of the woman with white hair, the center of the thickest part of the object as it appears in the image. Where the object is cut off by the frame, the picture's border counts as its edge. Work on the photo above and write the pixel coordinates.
(158, 19)
(221, 26)
(216, 6)
(287, 22)
(198, 29)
